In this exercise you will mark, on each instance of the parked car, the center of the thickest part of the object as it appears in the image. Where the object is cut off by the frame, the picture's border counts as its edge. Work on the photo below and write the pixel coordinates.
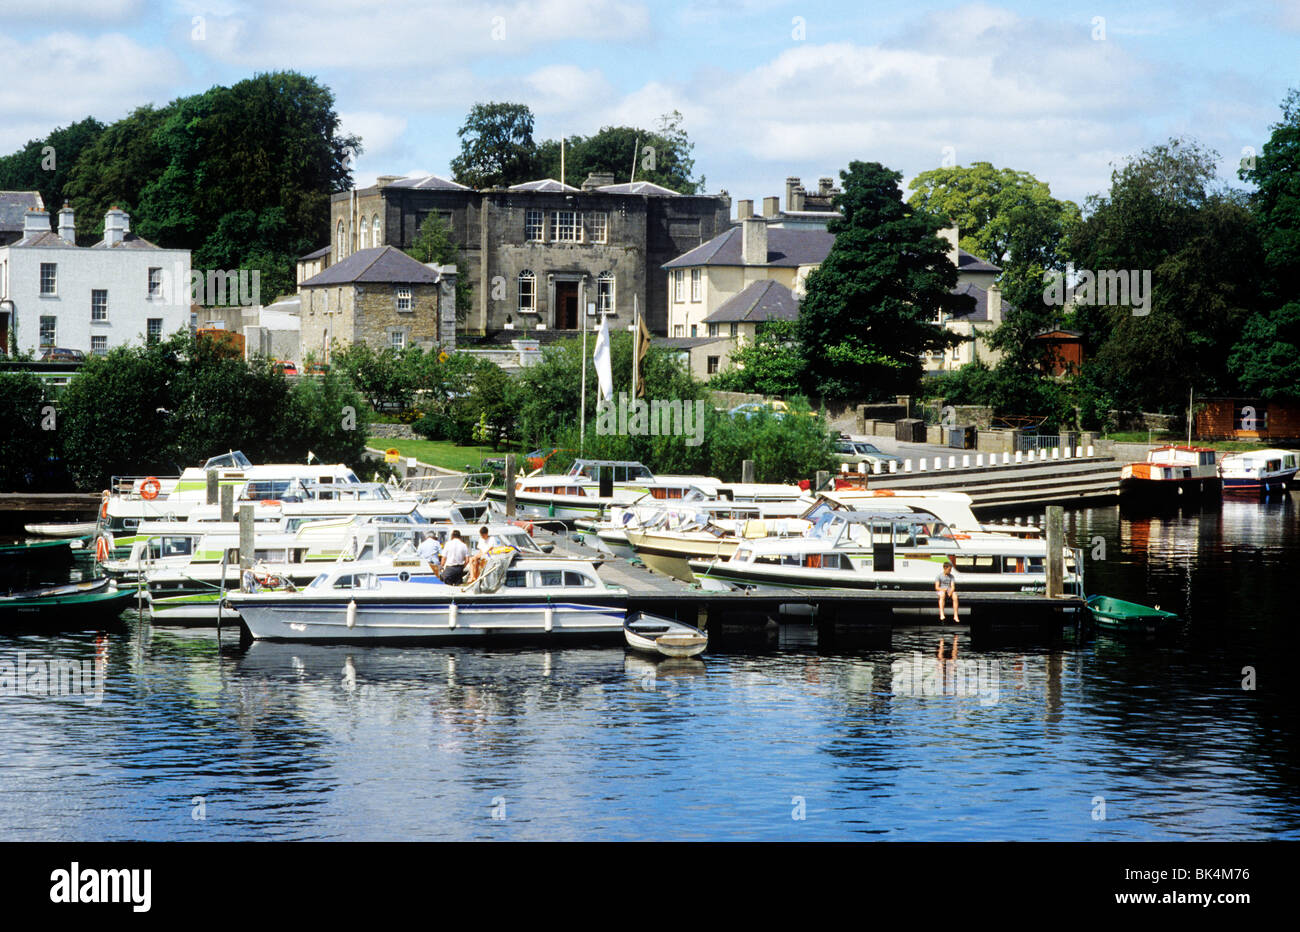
(287, 366)
(854, 452)
(63, 354)
(317, 368)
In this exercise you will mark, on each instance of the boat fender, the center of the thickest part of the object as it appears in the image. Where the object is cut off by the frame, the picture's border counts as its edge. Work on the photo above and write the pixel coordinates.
(352, 614)
(550, 618)
(451, 615)
(101, 548)
(150, 488)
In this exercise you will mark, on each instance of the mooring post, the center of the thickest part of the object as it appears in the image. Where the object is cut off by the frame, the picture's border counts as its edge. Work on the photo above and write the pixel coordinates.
(227, 503)
(510, 485)
(747, 471)
(214, 487)
(245, 537)
(1055, 551)
(823, 480)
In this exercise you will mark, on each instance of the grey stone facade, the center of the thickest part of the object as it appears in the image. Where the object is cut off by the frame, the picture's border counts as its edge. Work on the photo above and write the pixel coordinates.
(644, 227)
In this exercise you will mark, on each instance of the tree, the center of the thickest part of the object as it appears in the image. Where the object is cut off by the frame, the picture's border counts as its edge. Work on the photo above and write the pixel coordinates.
(1010, 218)
(771, 364)
(1276, 175)
(46, 165)
(496, 148)
(114, 170)
(25, 443)
(434, 243)
(1267, 357)
(662, 156)
(871, 308)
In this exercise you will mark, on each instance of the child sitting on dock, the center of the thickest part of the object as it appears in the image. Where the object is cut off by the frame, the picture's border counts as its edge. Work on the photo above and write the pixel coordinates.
(946, 585)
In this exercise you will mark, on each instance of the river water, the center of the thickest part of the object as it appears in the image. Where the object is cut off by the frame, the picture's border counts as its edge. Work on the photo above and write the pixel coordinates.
(1094, 738)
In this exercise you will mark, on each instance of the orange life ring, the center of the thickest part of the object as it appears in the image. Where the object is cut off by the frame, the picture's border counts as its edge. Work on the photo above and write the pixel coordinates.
(101, 548)
(271, 502)
(882, 493)
(103, 505)
(150, 488)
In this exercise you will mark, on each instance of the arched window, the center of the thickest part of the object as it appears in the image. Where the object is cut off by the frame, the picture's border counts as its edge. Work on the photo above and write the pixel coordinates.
(374, 232)
(342, 244)
(365, 234)
(527, 292)
(605, 293)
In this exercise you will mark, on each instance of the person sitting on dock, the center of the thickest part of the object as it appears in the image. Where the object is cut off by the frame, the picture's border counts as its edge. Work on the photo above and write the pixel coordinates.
(946, 585)
(453, 560)
(430, 551)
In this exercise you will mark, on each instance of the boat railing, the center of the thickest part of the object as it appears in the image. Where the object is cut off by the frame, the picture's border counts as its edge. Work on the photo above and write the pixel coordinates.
(125, 486)
(458, 486)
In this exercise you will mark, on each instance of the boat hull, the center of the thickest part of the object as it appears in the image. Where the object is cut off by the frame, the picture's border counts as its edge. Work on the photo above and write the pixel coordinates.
(722, 575)
(76, 612)
(672, 555)
(75, 529)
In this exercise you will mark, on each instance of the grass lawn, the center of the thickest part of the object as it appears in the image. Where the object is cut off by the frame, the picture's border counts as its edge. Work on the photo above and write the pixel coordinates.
(442, 453)
(1160, 436)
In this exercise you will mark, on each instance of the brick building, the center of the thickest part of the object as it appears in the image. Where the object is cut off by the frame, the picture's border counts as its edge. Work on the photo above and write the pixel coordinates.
(537, 253)
(381, 296)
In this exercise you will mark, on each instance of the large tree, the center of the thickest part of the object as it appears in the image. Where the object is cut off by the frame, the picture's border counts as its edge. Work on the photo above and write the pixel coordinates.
(46, 165)
(116, 168)
(1010, 218)
(872, 307)
(496, 146)
(662, 156)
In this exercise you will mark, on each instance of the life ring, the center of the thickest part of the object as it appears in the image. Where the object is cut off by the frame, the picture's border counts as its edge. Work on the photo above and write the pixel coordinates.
(271, 502)
(883, 493)
(103, 505)
(101, 548)
(150, 488)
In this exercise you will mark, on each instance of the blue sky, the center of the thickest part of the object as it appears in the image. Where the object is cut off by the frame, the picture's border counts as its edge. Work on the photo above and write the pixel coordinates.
(768, 89)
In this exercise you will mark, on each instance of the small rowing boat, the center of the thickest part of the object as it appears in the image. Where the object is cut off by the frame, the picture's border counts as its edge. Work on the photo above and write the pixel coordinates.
(1116, 614)
(663, 636)
(58, 609)
(62, 529)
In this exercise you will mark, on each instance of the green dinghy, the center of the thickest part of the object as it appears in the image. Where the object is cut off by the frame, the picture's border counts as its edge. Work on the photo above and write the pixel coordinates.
(1118, 615)
(76, 607)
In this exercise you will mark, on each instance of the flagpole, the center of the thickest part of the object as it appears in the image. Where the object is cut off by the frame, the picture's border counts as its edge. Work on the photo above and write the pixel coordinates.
(582, 405)
(636, 342)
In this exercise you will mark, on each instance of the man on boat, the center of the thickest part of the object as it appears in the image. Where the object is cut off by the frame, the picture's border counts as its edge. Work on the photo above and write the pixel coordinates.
(479, 560)
(453, 560)
(430, 551)
(946, 585)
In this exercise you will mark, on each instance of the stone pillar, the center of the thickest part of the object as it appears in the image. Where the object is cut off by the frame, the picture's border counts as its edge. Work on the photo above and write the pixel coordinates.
(447, 307)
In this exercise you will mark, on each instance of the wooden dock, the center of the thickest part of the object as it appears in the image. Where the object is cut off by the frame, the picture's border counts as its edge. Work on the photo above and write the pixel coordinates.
(983, 613)
(83, 503)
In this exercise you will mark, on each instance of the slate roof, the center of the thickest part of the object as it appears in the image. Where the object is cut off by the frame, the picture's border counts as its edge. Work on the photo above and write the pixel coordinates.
(981, 296)
(786, 248)
(378, 265)
(14, 206)
(757, 302)
(971, 263)
(545, 186)
(45, 239)
(129, 241)
(687, 343)
(428, 183)
(316, 254)
(638, 187)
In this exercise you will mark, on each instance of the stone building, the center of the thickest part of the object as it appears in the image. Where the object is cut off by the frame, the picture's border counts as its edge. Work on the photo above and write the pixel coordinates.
(14, 206)
(381, 296)
(541, 252)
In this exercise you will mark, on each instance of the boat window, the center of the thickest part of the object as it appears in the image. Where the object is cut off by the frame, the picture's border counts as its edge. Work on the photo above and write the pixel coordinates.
(791, 559)
(577, 579)
(517, 579)
(976, 564)
(767, 558)
(130, 523)
(355, 581)
(551, 578)
(812, 560)
(834, 561)
(1013, 564)
(1035, 564)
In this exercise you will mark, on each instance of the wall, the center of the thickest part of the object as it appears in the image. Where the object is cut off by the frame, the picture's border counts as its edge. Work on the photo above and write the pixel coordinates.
(1221, 418)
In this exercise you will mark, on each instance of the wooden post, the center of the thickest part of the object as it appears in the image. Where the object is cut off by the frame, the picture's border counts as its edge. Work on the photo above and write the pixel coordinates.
(747, 471)
(510, 485)
(1055, 562)
(227, 503)
(245, 537)
(214, 488)
(823, 480)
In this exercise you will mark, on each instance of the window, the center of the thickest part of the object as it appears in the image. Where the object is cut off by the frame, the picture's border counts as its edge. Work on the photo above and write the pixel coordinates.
(678, 330)
(397, 339)
(696, 282)
(48, 330)
(550, 578)
(713, 330)
(527, 292)
(98, 304)
(340, 242)
(404, 300)
(605, 293)
(375, 239)
(577, 579)
(695, 330)
(598, 226)
(713, 365)
(735, 328)
(564, 226)
(679, 286)
(153, 329)
(155, 283)
(516, 579)
(365, 233)
(533, 226)
(49, 278)
(99, 345)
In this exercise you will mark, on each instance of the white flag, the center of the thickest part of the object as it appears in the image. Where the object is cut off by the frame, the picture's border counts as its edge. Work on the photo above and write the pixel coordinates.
(603, 370)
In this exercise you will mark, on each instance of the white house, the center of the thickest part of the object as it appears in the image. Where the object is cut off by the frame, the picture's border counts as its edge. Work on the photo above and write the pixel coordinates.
(121, 290)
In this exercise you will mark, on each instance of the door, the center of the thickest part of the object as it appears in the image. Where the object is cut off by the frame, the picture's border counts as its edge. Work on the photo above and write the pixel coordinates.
(566, 305)
(4, 333)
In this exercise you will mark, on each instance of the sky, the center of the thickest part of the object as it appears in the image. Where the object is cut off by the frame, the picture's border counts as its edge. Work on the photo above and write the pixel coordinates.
(1065, 90)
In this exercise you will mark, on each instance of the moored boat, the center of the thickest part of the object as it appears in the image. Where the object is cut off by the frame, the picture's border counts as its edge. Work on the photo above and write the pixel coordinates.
(1171, 471)
(62, 529)
(57, 608)
(1259, 472)
(1129, 617)
(665, 637)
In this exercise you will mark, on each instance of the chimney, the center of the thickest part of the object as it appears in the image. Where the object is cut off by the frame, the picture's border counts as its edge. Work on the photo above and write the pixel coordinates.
(384, 181)
(744, 209)
(825, 187)
(597, 180)
(67, 226)
(771, 206)
(116, 225)
(799, 203)
(35, 222)
(995, 304)
(950, 236)
(753, 240)
(791, 187)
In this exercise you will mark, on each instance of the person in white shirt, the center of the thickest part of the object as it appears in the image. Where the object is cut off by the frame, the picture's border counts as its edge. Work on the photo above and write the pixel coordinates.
(480, 558)
(430, 551)
(454, 556)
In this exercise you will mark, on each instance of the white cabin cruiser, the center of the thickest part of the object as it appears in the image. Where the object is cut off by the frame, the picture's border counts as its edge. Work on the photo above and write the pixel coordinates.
(1259, 472)
(590, 487)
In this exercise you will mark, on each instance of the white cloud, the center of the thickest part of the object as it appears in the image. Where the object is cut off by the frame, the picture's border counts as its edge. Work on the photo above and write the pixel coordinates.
(378, 131)
(70, 13)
